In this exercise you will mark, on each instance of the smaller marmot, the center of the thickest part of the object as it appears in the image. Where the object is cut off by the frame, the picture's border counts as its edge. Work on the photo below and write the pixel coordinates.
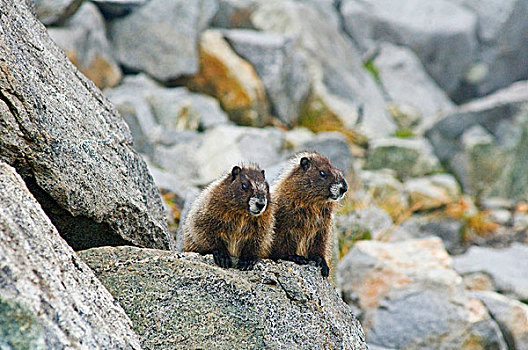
(232, 217)
(305, 195)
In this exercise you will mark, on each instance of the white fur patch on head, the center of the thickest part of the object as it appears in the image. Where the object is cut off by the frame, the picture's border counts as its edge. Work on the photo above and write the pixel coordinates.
(254, 204)
(335, 191)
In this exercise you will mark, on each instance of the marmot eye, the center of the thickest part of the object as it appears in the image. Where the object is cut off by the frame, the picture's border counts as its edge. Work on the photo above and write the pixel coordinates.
(322, 173)
(245, 187)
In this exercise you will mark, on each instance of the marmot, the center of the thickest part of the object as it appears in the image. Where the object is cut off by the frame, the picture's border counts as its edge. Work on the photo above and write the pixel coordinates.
(232, 217)
(305, 195)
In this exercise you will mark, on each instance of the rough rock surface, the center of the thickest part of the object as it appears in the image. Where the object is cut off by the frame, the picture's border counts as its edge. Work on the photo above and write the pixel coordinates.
(408, 157)
(512, 316)
(503, 48)
(386, 190)
(185, 300)
(281, 66)
(507, 267)
(411, 297)
(341, 88)
(432, 191)
(484, 143)
(160, 38)
(70, 144)
(230, 79)
(49, 298)
(404, 80)
(55, 11)
(83, 39)
(441, 32)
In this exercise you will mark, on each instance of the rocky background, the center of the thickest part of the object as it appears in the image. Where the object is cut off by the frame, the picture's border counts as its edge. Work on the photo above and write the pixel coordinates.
(423, 104)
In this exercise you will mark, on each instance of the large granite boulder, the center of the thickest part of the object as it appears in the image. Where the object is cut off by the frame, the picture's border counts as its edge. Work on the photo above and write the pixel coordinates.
(506, 267)
(280, 65)
(411, 298)
(49, 298)
(230, 79)
(342, 90)
(503, 48)
(83, 39)
(70, 144)
(484, 143)
(409, 157)
(185, 300)
(408, 86)
(441, 32)
(160, 38)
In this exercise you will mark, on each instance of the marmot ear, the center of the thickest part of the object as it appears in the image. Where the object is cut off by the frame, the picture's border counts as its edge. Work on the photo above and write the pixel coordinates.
(235, 172)
(305, 163)
(263, 173)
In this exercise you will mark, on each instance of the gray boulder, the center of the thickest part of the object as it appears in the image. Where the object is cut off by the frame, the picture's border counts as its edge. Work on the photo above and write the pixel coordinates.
(503, 48)
(432, 191)
(411, 298)
(408, 157)
(440, 32)
(507, 267)
(211, 154)
(386, 190)
(70, 144)
(281, 66)
(83, 39)
(511, 315)
(185, 300)
(161, 37)
(367, 223)
(55, 12)
(403, 78)
(342, 89)
(484, 143)
(49, 298)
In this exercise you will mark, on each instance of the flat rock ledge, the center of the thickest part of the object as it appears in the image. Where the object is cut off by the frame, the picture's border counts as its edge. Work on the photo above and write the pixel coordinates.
(183, 300)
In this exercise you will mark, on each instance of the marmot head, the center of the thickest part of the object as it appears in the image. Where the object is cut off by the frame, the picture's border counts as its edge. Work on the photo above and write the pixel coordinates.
(324, 180)
(248, 185)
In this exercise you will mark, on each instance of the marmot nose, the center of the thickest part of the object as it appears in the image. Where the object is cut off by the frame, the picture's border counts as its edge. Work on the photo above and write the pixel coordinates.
(344, 187)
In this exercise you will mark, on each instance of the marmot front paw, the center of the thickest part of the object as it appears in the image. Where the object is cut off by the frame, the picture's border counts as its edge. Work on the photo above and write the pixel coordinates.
(222, 259)
(246, 264)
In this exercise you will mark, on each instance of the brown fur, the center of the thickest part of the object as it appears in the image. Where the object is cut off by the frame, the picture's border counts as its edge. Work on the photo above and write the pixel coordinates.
(220, 221)
(304, 211)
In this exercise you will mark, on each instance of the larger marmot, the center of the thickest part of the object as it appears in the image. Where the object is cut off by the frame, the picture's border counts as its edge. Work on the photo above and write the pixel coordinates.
(305, 195)
(232, 217)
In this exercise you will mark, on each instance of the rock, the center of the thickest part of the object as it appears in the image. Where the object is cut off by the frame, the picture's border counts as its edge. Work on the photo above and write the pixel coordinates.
(520, 221)
(386, 190)
(484, 143)
(404, 80)
(161, 37)
(177, 300)
(49, 298)
(54, 11)
(505, 266)
(408, 157)
(234, 14)
(449, 230)
(431, 192)
(116, 8)
(478, 281)
(204, 158)
(70, 144)
(281, 66)
(83, 39)
(368, 223)
(440, 32)
(411, 298)
(154, 113)
(342, 91)
(503, 48)
(501, 216)
(511, 315)
(332, 145)
(166, 181)
(294, 138)
(231, 80)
